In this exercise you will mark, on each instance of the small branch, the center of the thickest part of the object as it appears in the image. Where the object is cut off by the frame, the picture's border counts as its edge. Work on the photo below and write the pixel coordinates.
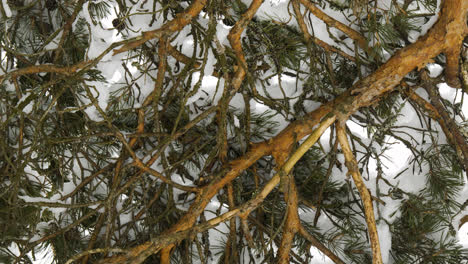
(68, 28)
(94, 251)
(463, 221)
(179, 22)
(246, 232)
(234, 39)
(319, 245)
(434, 114)
(231, 245)
(181, 57)
(334, 23)
(45, 68)
(366, 198)
(158, 175)
(452, 128)
(308, 37)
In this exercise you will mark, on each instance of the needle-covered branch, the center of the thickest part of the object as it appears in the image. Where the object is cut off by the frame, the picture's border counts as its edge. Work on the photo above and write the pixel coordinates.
(364, 93)
(156, 153)
(140, 253)
(434, 113)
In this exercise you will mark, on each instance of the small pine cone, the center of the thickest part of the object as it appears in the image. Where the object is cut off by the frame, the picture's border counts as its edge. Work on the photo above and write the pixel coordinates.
(229, 22)
(119, 25)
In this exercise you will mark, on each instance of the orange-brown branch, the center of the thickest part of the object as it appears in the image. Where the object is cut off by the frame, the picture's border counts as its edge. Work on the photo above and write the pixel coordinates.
(452, 132)
(292, 222)
(45, 68)
(366, 198)
(314, 242)
(179, 22)
(234, 38)
(434, 114)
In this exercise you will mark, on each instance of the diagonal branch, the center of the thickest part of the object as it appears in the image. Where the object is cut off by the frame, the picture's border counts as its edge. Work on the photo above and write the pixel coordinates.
(334, 23)
(433, 113)
(366, 198)
(303, 231)
(452, 130)
(308, 37)
(179, 22)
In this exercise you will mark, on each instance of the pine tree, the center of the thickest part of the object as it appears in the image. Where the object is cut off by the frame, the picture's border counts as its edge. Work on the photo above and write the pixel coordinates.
(211, 131)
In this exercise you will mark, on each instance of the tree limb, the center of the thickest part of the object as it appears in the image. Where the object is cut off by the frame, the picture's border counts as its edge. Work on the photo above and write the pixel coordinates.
(353, 169)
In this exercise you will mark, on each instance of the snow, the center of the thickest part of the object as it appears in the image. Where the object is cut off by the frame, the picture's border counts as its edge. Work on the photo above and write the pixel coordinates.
(385, 240)
(414, 35)
(357, 129)
(434, 69)
(399, 154)
(55, 42)
(7, 9)
(463, 236)
(29, 106)
(319, 257)
(208, 88)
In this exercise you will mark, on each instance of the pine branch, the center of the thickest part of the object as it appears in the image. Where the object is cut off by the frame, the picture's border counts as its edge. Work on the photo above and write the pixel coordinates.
(366, 198)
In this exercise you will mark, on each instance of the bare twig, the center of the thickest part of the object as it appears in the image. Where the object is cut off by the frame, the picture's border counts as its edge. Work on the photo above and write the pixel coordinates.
(353, 169)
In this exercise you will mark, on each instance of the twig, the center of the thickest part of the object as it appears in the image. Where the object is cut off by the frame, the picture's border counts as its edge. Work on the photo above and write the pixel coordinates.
(179, 22)
(451, 127)
(334, 23)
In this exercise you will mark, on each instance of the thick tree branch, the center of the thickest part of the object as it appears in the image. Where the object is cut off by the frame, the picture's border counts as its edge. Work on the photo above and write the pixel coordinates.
(138, 254)
(292, 221)
(451, 70)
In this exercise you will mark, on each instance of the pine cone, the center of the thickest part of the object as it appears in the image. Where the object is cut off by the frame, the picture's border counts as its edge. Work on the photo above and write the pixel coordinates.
(51, 4)
(119, 25)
